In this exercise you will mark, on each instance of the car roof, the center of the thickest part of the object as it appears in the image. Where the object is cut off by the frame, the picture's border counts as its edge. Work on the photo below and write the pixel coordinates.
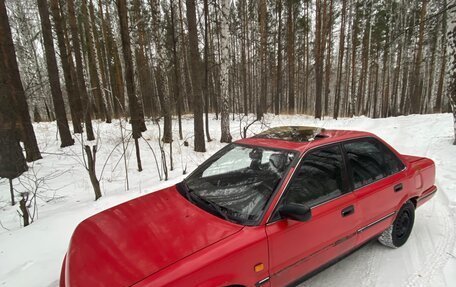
(300, 138)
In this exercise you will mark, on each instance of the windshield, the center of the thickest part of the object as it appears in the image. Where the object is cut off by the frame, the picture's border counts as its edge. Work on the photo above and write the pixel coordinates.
(237, 182)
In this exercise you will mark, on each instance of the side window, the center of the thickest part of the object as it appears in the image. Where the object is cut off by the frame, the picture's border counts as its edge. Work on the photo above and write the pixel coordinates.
(370, 161)
(318, 179)
(393, 163)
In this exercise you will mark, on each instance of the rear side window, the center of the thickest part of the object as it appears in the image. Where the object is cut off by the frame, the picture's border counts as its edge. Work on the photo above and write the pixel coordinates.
(318, 179)
(370, 160)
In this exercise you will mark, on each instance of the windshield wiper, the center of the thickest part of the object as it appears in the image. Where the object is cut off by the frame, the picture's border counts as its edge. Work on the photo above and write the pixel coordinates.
(209, 203)
(193, 197)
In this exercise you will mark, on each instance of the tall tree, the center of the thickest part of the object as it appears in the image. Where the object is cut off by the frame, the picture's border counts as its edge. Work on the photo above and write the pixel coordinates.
(145, 79)
(224, 71)
(12, 161)
(67, 66)
(291, 55)
(95, 85)
(319, 55)
(340, 59)
(443, 62)
(163, 93)
(114, 64)
(328, 39)
(100, 62)
(53, 73)
(416, 91)
(12, 91)
(136, 120)
(278, 94)
(452, 53)
(195, 67)
(177, 70)
(206, 69)
(262, 21)
(76, 48)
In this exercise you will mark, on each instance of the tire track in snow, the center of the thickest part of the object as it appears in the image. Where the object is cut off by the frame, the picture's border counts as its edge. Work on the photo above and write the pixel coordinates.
(440, 254)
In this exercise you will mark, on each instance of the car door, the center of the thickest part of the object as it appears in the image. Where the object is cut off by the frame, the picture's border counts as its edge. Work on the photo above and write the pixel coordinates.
(378, 184)
(297, 248)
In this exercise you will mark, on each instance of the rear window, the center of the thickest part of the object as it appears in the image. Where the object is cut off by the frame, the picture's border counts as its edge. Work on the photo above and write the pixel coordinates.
(370, 160)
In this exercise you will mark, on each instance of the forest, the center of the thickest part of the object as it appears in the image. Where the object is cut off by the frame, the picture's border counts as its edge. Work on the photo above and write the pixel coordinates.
(101, 97)
(79, 61)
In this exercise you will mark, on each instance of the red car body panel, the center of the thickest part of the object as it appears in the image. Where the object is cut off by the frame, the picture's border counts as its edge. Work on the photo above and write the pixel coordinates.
(162, 239)
(319, 234)
(126, 243)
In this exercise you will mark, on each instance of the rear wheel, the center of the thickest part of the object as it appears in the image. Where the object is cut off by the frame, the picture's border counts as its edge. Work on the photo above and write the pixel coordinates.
(399, 231)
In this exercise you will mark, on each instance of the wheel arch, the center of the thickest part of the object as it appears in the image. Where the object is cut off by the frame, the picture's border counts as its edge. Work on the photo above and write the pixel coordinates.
(414, 200)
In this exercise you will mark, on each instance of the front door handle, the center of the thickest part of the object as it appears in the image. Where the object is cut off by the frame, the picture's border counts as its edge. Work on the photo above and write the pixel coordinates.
(348, 211)
(398, 187)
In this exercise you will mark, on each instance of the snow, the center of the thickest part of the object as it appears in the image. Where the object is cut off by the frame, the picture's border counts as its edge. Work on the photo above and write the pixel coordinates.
(32, 256)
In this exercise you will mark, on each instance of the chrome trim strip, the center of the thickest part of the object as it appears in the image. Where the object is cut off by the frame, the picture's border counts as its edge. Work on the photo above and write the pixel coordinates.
(427, 195)
(319, 251)
(376, 222)
(261, 282)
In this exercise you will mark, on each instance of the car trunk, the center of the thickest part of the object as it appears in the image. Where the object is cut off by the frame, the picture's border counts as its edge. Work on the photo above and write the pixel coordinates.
(424, 172)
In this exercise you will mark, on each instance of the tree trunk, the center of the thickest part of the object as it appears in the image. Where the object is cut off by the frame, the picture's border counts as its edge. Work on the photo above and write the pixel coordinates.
(23, 207)
(291, 56)
(451, 90)
(115, 68)
(163, 93)
(443, 62)
(319, 54)
(328, 63)
(415, 91)
(224, 72)
(340, 60)
(278, 95)
(95, 87)
(53, 73)
(75, 109)
(11, 89)
(177, 72)
(261, 100)
(244, 23)
(100, 55)
(91, 161)
(136, 120)
(86, 109)
(199, 144)
(206, 69)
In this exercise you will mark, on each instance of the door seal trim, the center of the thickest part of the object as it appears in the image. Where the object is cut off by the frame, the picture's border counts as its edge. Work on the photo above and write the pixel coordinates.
(376, 222)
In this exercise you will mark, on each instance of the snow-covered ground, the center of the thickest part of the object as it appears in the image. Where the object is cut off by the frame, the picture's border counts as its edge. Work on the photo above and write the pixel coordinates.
(32, 256)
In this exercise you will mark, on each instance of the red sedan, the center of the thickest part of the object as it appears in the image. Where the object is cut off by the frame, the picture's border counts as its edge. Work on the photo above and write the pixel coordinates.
(270, 210)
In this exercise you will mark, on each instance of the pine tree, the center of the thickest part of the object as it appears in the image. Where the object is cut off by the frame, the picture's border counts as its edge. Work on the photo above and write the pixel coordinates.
(136, 119)
(452, 53)
(53, 73)
(195, 71)
(15, 112)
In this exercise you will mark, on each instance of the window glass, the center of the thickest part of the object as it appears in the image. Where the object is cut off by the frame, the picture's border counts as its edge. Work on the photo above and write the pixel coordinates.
(318, 179)
(238, 181)
(391, 161)
(370, 161)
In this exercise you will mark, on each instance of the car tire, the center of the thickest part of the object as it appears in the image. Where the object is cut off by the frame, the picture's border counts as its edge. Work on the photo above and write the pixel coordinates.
(399, 231)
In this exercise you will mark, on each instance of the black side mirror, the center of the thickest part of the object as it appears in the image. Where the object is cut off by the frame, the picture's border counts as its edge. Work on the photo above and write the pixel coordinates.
(296, 211)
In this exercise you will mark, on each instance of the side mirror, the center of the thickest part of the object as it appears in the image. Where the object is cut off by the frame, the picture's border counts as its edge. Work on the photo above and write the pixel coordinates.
(296, 211)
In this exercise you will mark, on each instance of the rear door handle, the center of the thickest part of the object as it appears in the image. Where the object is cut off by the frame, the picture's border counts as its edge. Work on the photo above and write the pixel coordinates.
(347, 211)
(398, 187)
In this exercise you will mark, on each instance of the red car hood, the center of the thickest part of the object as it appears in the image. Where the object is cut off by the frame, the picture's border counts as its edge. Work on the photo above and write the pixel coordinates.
(124, 244)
